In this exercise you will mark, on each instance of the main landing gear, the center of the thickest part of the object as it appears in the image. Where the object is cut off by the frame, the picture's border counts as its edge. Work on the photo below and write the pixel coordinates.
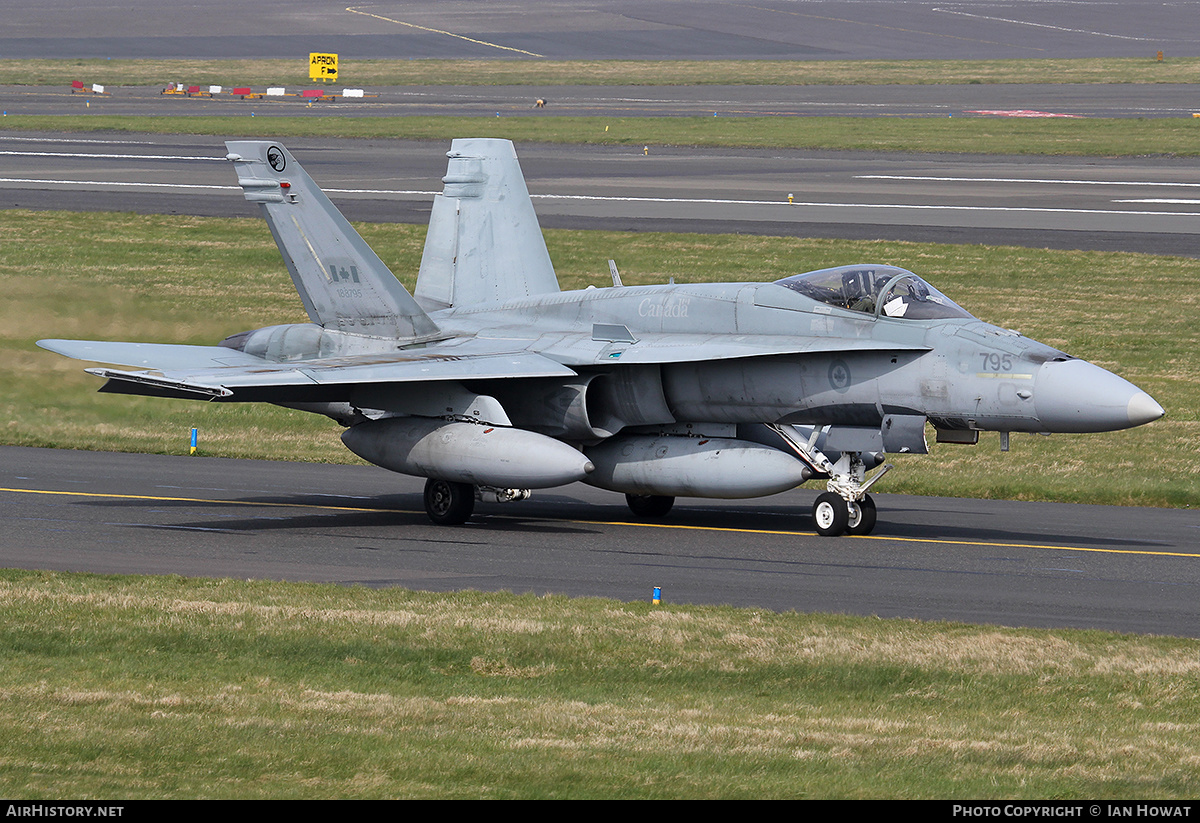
(649, 506)
(449, 503)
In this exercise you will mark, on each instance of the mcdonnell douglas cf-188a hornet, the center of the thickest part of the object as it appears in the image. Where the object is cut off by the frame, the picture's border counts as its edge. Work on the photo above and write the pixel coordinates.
(490, 382)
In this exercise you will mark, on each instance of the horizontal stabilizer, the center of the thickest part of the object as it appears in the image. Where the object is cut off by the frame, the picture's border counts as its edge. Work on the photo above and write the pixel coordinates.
(151, 355)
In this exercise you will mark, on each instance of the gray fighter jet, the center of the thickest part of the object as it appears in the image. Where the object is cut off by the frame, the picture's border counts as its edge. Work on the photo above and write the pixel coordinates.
(490, 381)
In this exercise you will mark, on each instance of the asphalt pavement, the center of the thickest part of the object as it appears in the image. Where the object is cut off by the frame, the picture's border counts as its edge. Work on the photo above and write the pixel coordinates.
(603, 29)
(1140, 204)
(998, 562)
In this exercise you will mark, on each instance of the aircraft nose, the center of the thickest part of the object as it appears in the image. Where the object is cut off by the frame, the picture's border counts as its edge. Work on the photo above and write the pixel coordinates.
(1078, 396)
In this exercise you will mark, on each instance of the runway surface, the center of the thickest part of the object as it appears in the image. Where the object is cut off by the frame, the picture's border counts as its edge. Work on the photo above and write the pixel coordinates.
(1019, 564)
(1129, 204)
(604, 29)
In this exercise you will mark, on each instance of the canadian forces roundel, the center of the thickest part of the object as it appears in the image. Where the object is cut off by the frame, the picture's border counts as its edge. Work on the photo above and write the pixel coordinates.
(839, 375)
(276, 158)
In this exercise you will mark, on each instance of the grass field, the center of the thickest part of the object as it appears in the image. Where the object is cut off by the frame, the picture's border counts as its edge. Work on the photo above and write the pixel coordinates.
(144, 687)
(534, 72)
(196, 280)
(1051, 136)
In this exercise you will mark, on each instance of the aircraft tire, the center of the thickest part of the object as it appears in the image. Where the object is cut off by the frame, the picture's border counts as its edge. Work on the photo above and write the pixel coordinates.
(862, 517)
(830, 514)
(649, 506)
(448, 503)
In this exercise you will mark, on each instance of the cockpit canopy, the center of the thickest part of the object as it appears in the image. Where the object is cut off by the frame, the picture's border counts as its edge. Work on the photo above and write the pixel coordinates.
(885, 291)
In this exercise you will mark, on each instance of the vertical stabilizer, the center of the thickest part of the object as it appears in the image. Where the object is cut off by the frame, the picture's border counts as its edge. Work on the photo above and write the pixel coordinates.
(484, 243)
(342, 282)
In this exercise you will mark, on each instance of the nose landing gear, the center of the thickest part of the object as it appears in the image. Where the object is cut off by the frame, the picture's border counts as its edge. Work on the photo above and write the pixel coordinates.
(834, 515)
(847, 508)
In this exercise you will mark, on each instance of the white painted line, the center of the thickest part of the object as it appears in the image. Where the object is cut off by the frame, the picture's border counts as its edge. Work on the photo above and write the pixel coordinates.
(1021, 180)
(1164, 200)
(81, 155)
(11, 139)
(912, 206)
(711, 200)
(353, 10)
(113, 183)
(1018, 113)
(1043, 25)
(193, 186)
(383, 191)
(684, 200)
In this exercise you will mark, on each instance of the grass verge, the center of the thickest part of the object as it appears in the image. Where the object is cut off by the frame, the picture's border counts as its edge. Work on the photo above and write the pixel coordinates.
(1016, 136)
(195, 280)
(520, 72)
(145, 687)
(172, 688)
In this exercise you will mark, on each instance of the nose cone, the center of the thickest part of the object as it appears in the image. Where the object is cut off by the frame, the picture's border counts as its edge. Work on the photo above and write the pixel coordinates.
(1078, 396)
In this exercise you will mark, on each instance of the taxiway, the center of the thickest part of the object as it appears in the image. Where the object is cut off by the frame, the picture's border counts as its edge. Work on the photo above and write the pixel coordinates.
(1128, 204)
(1018, 564)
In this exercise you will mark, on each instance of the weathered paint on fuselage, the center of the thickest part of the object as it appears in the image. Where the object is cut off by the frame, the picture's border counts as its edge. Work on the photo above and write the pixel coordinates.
(744, 353)
(968, 374)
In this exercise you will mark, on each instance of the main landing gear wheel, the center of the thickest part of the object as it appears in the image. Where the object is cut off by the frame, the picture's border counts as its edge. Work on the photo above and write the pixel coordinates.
(862, 516)
(649, 506)
(448, 503)
(830, 514)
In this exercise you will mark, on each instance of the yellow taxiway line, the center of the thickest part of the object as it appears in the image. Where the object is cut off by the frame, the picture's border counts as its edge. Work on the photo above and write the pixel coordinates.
(677, 526)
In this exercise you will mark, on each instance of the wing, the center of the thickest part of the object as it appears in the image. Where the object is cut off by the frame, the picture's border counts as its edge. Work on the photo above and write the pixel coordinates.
(219, 373)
